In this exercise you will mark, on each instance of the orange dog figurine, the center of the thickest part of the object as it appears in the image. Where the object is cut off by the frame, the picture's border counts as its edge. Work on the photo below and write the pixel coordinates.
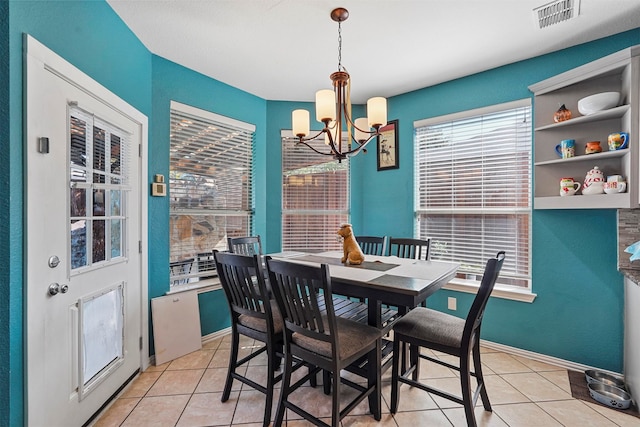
(352, 253)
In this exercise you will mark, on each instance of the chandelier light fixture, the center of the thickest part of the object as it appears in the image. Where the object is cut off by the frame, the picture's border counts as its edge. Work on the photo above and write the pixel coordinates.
(333, 109)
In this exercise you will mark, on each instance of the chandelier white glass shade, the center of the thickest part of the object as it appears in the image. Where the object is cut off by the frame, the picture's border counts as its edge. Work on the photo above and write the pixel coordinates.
(333, 109)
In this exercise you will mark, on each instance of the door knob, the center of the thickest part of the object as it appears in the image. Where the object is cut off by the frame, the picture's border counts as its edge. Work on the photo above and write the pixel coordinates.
(54, 288)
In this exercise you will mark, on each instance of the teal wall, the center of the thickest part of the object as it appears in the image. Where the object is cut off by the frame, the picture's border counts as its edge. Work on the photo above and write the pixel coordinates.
(578, 312)
(173, 82)
(5, 288)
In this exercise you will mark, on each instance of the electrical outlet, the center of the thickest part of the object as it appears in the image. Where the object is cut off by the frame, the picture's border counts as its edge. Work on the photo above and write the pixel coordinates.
(451, 303)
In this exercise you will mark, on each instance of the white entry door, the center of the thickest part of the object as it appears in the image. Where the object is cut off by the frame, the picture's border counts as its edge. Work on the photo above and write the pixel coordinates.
(84, 265)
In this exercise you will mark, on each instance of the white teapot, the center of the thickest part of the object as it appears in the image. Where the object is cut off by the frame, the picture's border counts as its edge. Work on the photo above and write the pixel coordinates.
(593, 182)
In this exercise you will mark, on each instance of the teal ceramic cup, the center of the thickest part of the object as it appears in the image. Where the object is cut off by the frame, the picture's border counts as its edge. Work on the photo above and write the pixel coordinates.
(566, 148)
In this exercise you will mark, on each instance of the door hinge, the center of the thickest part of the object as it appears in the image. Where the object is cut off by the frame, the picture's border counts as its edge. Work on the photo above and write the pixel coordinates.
(139, 246)
(140, 341)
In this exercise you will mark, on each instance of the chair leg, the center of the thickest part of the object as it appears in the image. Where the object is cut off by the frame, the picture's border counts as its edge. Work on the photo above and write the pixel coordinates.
(284, 391)
(233, 360)
(375, 380)
(335, 400)
(465, 383)
(326, 382)
(273, 361)
(395, 384)
(414, 360)
(477, 366)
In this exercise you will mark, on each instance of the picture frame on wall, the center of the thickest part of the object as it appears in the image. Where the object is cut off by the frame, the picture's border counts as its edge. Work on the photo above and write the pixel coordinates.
(387, 145)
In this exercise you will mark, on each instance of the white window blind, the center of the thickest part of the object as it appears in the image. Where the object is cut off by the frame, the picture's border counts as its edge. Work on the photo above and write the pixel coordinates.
(210, 188)
(315, 197)
(473, 188)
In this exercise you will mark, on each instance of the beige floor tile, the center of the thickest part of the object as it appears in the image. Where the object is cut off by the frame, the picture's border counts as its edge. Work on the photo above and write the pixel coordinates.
(620, 418)
(537, 366)
(422, 418)
(205, 409)
(141, 385)
(367, 420)
(250, 407)
(176, 382)
(411, 398)
(195, 360)
(536, 387)
(212, 345)
(525, 415)
(117, 412)
(501, 392)
(160, 368)
(575, 413)
(213, 380)
(157, 411)
(502, 363)
(483, 418)
(559, 378)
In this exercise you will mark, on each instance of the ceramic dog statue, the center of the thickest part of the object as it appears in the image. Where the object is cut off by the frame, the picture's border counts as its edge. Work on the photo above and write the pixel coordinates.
(352, 253)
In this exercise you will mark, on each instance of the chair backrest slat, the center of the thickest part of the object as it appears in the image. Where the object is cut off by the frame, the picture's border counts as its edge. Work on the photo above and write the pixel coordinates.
(246, 291)
(489, 278)
(246, 245)
(373, 245)
(410, 248)
(297, 289)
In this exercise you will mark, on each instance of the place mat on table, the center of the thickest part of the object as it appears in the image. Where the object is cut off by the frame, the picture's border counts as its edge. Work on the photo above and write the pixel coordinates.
(367, 265)
(579, 390)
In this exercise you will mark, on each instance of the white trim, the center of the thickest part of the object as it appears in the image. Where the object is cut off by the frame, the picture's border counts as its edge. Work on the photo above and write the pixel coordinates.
(215, 335)
(505, 292)
(188, 109)
(566, 364)
(526, 102)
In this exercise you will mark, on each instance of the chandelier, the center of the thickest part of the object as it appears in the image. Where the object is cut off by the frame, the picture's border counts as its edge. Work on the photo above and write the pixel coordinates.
(333, 109)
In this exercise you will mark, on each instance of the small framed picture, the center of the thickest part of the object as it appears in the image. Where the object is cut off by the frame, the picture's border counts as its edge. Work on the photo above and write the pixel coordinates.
(388, 157)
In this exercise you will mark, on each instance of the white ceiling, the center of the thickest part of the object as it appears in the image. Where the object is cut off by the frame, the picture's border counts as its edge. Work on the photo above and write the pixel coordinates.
(286, 49)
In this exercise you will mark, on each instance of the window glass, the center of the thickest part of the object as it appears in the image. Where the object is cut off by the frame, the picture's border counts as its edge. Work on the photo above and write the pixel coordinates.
(210, 188)
(473, 189)
(315, 197)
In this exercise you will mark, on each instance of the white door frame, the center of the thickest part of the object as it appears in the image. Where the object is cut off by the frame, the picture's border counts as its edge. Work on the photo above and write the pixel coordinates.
(77, 78)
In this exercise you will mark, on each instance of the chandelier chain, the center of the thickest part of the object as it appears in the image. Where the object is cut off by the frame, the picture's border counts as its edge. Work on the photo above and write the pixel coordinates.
(339, 46)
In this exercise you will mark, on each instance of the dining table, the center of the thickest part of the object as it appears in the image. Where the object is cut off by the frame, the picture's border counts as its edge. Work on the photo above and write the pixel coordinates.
(403, 283)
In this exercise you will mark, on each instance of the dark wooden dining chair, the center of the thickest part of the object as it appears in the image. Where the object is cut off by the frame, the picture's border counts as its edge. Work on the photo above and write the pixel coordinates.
(246, 245)
(323, 339)
(253, 315)
(410, 248)
(426, 328)
(373, 245)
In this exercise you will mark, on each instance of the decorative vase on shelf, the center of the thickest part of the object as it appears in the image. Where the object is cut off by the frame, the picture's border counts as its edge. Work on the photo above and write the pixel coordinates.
(562, 114)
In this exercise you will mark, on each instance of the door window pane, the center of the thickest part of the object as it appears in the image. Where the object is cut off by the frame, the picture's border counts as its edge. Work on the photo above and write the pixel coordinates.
(78, 243)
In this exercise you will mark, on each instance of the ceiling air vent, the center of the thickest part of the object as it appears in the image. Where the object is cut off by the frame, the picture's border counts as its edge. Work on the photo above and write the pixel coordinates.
(556, 12)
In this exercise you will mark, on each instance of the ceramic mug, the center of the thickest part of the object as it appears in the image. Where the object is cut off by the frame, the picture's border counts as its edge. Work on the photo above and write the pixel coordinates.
(615, 178)
(592, 147)
(611, 187)
(568, 187)
(566, 148)
(618, 141)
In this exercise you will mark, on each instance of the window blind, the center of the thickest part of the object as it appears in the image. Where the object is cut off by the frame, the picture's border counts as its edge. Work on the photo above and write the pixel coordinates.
(315, 197)
(210, 188)
(473, 189)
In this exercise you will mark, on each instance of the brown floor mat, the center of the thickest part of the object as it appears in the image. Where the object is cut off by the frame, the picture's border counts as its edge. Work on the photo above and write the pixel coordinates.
(580, 391)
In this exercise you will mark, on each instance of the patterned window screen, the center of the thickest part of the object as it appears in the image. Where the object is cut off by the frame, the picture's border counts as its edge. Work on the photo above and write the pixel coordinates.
(315, 197)
(473, 188)
(98, 182)
(210, 188)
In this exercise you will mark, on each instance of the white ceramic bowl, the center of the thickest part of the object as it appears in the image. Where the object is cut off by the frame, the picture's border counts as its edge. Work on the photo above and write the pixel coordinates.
(598, 102)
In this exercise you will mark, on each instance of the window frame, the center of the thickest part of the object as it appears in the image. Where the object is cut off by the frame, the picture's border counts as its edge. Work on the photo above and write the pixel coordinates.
(202, 277)
(287, 137)
(521, 293)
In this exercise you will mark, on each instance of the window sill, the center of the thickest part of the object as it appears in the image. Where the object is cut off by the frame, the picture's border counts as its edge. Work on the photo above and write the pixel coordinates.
(201, 286)
(506, 292)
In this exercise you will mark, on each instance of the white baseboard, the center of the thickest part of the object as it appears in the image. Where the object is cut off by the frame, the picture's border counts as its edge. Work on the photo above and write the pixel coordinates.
(214, 336)
(542, 357)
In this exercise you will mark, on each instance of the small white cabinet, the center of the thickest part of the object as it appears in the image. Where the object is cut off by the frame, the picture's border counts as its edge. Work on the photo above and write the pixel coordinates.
(619, 72)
